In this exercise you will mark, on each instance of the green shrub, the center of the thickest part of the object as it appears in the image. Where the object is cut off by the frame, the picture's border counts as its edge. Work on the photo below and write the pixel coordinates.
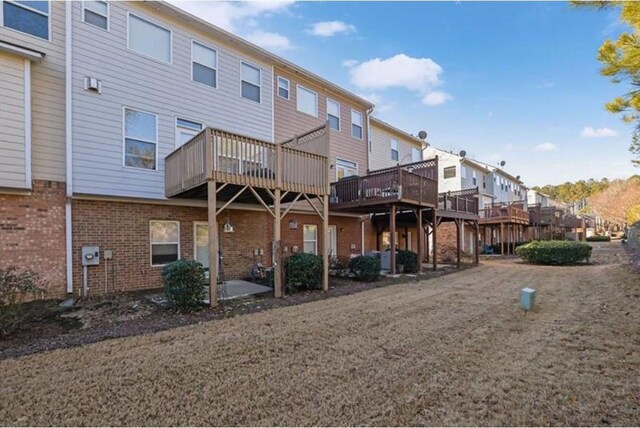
(14, 288)
(599, 238)
(409, 261)
(339, 266)
(184, 284)
(303, 271)
(555, 252)
(365, 268)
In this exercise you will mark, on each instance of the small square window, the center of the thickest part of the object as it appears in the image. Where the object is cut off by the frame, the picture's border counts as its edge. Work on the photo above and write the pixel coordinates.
(96, 13)
(450, 172)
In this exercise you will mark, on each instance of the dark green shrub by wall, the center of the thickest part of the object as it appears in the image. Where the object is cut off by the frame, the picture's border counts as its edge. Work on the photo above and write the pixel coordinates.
(508, 247)
(303, 272)
(365, 268)
(184, 284)
(409, 261)
(599, 238)
(555, 252)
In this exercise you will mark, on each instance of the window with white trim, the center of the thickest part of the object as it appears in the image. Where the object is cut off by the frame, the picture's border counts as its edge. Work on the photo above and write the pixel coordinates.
(310, 238)
(164, 237)
(463, 171)
(186, 130)
(474, 179)
(250, 78)
(416, 155)
(333, 114)
(449, 172)
(96, 13)
(356, 124)
(345, 169)
(204, 64)
(306, 101)
(29, 17)
(149, 39)
(395, 154)
(283, 87)
(140, 139)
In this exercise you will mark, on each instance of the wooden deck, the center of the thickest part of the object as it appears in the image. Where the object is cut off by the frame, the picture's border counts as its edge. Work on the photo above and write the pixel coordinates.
(236, 161)
(410, 185)
(503, 213)
(462, 204)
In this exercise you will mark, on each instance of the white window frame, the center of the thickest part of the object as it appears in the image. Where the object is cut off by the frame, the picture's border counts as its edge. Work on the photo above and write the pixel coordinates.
(474, 178)
(153, 22)
(108, 16)
(393, 142)
(195, 240)
(329, 100)
(338, 160)
(204, 45)
(151, 243)
(124, 139)
(298, 87)
(417, 153)
(178, 127)
(463, 172)
(30, 9)
(361, 124)
(315, 226)
(278, 79)
(448, 168)
(259, 80)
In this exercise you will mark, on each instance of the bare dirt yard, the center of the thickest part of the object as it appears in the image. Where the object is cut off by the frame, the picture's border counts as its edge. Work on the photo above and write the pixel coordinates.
(454, 350)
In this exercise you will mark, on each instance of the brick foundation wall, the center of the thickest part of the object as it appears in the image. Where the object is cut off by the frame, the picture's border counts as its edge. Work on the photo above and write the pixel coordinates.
(32, 233)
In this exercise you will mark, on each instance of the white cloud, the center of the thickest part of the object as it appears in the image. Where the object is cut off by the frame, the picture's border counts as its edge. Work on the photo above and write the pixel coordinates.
(435, 98)
(589, 132)
(420, 75)
(545, 147)
(268, 40)
(331, 28)
(381, 104)
(348, 63)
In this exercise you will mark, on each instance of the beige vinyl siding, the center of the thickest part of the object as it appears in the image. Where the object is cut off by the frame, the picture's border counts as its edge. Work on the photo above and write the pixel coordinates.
(132, 80)
(12, 122)
(47, 96)
(381, 147)
(288, 121)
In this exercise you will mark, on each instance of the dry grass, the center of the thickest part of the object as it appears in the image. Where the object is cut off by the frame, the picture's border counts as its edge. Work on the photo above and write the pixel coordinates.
(452, 351)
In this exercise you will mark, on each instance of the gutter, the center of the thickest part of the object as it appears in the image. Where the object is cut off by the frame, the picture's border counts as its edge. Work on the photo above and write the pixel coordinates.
(68, 144)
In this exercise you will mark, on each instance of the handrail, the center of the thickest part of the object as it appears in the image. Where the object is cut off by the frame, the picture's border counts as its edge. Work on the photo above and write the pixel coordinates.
(504, 212)
(461, 201)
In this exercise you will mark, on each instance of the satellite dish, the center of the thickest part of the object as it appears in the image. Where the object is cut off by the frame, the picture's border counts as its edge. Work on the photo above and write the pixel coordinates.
(517, 177)
(463, 153)
(502, 163)
(422, 135)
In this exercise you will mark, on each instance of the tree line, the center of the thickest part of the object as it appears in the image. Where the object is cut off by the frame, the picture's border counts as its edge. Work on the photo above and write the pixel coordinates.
(574, 191)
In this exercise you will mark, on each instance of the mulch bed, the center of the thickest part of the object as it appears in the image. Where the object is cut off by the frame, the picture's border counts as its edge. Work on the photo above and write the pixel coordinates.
(50, 327)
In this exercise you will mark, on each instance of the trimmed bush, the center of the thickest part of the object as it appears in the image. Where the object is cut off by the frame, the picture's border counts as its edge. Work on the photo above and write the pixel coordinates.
(599, 238)
(409, 261)
(555, 252)
(303, 272)
(365, 268)
(184, 284)
(14, 288)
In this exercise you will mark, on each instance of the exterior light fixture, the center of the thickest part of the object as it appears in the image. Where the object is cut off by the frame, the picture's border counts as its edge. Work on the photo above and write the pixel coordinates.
(228, 227)
(293, 224)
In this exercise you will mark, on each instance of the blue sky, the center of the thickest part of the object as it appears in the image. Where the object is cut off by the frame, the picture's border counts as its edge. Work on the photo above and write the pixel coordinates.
(517, 82)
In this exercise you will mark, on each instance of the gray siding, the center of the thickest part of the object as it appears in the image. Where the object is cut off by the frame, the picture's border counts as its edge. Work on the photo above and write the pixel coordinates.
(47, 96)
(133, 80)
(380, 156)
(12, 122)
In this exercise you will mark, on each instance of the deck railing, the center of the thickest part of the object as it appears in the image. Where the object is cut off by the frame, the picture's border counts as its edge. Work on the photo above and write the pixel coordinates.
(503, 213)
(235, 159)
(386, 185)
(463, 201)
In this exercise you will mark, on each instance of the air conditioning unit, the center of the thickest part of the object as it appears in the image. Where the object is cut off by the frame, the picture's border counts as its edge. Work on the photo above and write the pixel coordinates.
(92, 84)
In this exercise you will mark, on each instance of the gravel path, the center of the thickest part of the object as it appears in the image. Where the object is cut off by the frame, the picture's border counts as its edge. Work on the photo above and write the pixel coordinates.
(455, 350)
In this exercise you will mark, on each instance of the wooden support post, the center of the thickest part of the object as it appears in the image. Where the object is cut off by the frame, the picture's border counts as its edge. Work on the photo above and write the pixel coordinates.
(458, 242)
(278, 289)
(435, 240)
(213, 242)
(426, 234)
(420, 233)
(392, 229)
(477, 233)
(502, 238)
(325, 243)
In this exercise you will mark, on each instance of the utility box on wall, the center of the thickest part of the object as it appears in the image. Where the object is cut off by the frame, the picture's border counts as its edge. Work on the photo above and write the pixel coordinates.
(90, 256)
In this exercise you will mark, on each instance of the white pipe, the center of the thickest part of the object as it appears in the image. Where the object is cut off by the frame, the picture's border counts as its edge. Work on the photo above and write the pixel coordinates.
(85, 281)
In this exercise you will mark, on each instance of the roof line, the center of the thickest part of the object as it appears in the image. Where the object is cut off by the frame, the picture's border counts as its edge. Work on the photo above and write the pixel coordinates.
(398, 130)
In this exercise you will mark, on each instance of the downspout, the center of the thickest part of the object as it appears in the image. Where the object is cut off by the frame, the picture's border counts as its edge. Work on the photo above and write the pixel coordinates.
(68, 145)
(369, 111)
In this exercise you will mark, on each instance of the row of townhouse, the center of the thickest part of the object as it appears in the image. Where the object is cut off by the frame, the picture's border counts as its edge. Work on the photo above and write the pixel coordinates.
(128, 129)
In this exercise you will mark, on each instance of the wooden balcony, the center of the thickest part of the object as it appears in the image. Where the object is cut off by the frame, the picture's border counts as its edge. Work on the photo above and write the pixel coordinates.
(461, 204)
(503, 213)
(236, 161)
(412, 184)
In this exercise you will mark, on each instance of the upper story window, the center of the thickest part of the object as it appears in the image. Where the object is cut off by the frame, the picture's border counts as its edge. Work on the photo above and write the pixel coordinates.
(484, 181)
(416, 155)
(149, 39)
(345, 169)
(140, 139)
(96, 13)
(356, 124)
(474, 179)
(307, 101)
(450, 172)
(250, 77)
(333, 114)
(395, 154)
(30, 17)
(186, 130)
(463, 172)
(283, 88)
(204, 64)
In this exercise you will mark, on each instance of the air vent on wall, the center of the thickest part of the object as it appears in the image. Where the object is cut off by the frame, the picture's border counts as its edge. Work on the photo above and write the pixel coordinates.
(93, 85)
